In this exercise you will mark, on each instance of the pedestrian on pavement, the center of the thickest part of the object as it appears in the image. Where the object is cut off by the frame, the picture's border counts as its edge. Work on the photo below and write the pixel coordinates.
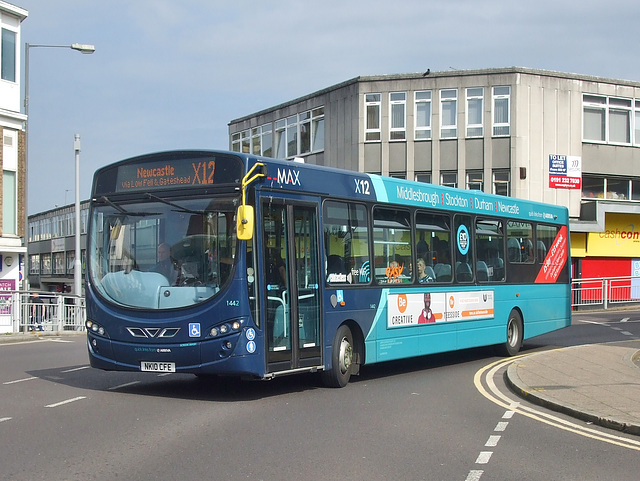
(37, 312)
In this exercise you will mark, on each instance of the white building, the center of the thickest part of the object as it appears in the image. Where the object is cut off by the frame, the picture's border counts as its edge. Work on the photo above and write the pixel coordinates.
(12, 156)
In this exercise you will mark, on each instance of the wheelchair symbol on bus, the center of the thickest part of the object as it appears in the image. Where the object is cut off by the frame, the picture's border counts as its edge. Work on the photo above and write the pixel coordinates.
(194, 329)
(251, 334)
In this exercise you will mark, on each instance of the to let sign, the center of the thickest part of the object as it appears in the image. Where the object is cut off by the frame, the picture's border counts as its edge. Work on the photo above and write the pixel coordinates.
(565, 171)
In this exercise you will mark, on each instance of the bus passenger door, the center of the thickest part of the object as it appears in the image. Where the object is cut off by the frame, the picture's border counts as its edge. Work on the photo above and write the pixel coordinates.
(291, 285)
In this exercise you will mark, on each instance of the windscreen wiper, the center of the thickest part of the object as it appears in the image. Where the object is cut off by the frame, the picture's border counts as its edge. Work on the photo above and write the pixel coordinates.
(124, 211)
(173, 204)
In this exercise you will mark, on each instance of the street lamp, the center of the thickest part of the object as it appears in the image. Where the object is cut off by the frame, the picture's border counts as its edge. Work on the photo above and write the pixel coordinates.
(82, 48)
(77, 262)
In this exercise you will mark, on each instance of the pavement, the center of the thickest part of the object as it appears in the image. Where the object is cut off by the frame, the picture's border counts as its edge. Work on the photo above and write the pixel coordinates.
(598, 383)
(30, 336)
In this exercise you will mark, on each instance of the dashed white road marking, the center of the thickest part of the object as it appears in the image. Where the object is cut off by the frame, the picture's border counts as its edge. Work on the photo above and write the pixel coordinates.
(19, 380)
(492, 442)
(484, 457)
(66, 402)
(77, 369)
(123, 385)
(474, 475)
(604, 323)
(501, 426)
(4, 419)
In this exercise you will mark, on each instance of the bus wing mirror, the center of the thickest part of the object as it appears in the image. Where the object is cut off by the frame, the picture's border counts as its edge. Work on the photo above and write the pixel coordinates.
(244, 222)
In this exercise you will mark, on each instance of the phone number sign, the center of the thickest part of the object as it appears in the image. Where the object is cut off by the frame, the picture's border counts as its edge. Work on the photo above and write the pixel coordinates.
(565, 171)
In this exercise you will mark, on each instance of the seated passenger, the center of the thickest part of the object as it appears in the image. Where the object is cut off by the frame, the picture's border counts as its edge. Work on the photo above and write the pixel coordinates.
(422, 275)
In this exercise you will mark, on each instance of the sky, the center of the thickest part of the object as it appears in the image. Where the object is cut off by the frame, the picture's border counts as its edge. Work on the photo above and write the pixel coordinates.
(173, 74)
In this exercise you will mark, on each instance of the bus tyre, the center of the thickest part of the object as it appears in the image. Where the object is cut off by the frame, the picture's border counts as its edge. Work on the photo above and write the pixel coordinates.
(341, 359)
(515, 335)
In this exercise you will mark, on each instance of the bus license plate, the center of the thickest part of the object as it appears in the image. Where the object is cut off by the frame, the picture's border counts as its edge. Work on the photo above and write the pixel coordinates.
(158, 366)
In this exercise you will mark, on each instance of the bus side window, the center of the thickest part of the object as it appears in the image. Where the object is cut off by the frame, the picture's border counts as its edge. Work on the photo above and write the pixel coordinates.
(392, 242)
(464, 247)
(489, 250)
(346, 243)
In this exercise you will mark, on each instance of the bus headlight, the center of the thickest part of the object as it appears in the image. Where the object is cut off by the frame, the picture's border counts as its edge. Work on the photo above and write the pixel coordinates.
(96, 328)
(226, 328)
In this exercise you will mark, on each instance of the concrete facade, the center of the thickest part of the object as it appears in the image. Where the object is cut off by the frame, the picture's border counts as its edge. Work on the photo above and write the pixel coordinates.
(504, 149)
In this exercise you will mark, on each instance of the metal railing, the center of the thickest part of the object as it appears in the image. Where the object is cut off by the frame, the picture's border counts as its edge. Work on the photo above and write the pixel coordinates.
(605, 292)
(22, 311)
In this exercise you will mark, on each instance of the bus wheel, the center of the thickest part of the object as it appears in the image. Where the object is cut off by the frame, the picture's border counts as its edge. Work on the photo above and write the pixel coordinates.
(515, 335)
(341, 359)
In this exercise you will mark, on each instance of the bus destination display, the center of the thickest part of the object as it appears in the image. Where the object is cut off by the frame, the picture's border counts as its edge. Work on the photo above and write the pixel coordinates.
(171, 174)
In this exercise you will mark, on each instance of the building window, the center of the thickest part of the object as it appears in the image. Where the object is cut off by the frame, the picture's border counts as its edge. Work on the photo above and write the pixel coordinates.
(58, 263)
(611, 188)
(475, 109)
(501, 182)
(594, 112)
(8, 55)
(620, 121)
(449, 179)
(608, 119)
(281, 139)
(9, 204)
(241, 142)
(287, 137)
(34, 264)
(398, 107)
(372, 108)
(501, 111)
(298, 134)
(9, 182)
(256, 141)
(46, 264)
(292, 136)
(635, 190)
(235, 142)
(637, 123)
(71, 260)
(449, 114)
(475, 180)
(84, 220)
(423, 115)
(266, 140)
(423, 177)
(304, 124)
(317, 129)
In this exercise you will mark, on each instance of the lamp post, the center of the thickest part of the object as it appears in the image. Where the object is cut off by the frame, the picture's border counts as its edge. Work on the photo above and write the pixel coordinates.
(77, 262)
(82, 48)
